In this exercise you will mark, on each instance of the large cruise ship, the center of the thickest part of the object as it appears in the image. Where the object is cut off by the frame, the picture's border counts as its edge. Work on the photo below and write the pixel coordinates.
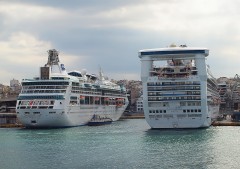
(60, 99)
(178, 89)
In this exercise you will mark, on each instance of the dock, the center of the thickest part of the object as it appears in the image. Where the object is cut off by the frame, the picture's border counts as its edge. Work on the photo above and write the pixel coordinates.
(226, 123)
(11, 125)
(216, 123)
(129, 116)
(132, 116)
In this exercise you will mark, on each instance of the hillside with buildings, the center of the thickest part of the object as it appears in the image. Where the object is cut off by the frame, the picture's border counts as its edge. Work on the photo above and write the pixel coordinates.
(229, 90)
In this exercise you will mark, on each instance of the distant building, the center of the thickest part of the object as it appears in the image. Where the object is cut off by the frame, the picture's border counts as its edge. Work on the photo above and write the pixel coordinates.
(222, 90)
(223, 80)
(134, 89)
(229, 90)
(139, 104)
(15, 86)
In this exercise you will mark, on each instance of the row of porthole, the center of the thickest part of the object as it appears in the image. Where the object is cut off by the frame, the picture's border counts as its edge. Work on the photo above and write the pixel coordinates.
(35, 107)
(184, 111)
(36, 112)
(157, 111)
(191, 110)
(173, 83)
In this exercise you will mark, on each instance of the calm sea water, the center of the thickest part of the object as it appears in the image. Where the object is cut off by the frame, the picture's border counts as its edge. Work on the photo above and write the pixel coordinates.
(123, 144)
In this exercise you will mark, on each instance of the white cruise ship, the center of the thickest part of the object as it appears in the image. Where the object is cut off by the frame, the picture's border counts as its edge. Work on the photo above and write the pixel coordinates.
(178, 88)
(60, 99)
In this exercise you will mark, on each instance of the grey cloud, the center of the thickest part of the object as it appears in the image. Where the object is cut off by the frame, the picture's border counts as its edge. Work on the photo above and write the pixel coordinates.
(108, 43)
(87, 5)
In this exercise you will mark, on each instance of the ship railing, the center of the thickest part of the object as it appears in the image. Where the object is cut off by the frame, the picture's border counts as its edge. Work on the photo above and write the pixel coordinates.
(171, 87)
(42, 91)
(109, 95)
(43, 87)
(90, 92)
(173, 77)
(167, 99)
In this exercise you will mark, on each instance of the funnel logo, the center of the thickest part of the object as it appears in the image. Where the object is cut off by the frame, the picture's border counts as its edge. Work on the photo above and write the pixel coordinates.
(62, 67)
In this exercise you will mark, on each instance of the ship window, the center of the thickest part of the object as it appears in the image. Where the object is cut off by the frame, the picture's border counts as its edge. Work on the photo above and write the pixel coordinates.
(44, 83)
(36, 112)
(57, 97)
(182, 104)
(157, 111)
(151, 116)
(160, 111)
(27, 113)
(42, 107)
(199, 110)
(153, 111)
(196, 82)
(184, 111)
(150, 83)
(188, 111)
(73, 102)
(33, 121)
(164, 111)
(73, 98)
(150, 111)
(191, 110)
(195, 110)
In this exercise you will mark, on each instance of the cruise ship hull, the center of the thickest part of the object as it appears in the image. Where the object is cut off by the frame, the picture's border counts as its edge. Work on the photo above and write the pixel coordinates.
(159, 122)
(62, 118)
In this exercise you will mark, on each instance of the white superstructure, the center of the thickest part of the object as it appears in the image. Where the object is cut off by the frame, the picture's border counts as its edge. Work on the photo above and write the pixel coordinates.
(60, 99)
(178, 88)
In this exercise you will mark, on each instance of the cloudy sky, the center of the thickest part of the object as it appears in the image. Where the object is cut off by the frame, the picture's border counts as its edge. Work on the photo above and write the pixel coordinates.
(109, 33)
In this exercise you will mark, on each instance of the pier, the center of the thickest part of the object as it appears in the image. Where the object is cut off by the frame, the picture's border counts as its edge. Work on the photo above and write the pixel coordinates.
(225, 123)
(8, 116)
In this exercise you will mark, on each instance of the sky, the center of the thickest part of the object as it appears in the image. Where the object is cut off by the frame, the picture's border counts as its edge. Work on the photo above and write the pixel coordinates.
(109, 33)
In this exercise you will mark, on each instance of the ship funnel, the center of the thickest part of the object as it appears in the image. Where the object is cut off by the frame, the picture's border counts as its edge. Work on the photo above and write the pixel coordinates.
(53, 57)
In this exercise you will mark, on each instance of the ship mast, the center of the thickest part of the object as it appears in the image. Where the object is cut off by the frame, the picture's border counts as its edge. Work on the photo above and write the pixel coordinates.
(101, 77)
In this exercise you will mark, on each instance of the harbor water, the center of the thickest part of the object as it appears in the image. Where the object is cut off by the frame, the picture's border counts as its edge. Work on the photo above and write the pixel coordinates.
(123, 144)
